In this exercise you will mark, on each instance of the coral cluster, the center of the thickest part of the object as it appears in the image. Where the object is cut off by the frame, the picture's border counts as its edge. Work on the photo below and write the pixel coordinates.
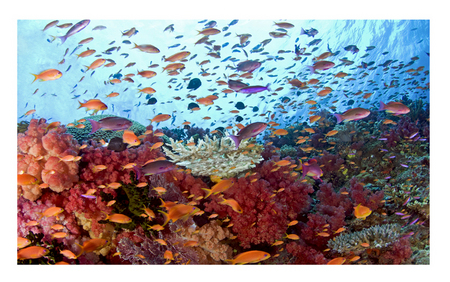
(216, 156)
(377, 237)
(40, 150)
(81, 134)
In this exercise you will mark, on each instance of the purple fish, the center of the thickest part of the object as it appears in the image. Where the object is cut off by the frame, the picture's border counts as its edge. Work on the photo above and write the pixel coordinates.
(382, 139)
(406, 216)
(403, 165)
(74, 29)
(399, 213)
(88, 196)
(414, 221)
(254, 89)
(312, 169)
(110, 123)
(155, 167)
(249, 131)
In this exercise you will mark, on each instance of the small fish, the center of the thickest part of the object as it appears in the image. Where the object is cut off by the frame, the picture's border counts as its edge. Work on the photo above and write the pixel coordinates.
(249, 257)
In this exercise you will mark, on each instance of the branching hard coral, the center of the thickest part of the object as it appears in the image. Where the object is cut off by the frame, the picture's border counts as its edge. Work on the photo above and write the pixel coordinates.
(378, 237)
(216, 156)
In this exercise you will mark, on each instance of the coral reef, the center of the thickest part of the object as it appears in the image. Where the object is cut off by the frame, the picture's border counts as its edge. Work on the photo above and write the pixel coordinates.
(39, 154)
(216, 156)
(82, 134)
(377, 237)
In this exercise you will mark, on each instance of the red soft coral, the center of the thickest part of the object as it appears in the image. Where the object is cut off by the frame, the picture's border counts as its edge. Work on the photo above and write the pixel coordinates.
(304, 254)
(266, 211)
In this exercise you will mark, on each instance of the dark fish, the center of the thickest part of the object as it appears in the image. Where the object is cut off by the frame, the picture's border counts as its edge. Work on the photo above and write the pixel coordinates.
(368, 48)
(179, 36)
(233, 22)
(352, 48)
(192, 106)
(126, 42)
(314, 42)
(227, 34)
(99, 27)
(240, 106)
(116, 144)
(74, 29)
(310, 32)
(194, 84)
(210, 24)
(174, 46)
(169, 28)
(152, 101)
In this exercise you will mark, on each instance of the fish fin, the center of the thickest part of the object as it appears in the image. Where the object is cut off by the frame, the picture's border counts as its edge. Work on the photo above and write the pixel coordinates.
(107, 216)
(137, 171)
(95, 125)
(166, 216)
(382, 106)
(236, 140)
(268, 87)
(302, 31)
(208, 191)
(338, 117)
(35, 77)
(311, 69)
(82, 250)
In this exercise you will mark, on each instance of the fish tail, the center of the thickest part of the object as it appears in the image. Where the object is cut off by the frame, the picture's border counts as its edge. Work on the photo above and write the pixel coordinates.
(82, 250)
(236, 140)
(382, 106)
(302, 31)
(166, 218)
(107, 216)
(311, 69)
(35, 77)
(268, 87)
(208, 191)
(137, 171)
(81, 105)
(338, 117)
(95, 125)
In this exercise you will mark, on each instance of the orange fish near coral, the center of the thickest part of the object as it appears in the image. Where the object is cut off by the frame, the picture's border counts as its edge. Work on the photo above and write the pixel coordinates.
(32, 252)
(233, 204)
(117, 218)
(92, 245)
(336, 261)
(361, 211)
(222, 186)
(249, 257)
(130, 138)
(160, 118)
(50, 74)
(395, 108)
(53, 211)
(93, 104)
(22, 242)
(179, 211)
(26, 179)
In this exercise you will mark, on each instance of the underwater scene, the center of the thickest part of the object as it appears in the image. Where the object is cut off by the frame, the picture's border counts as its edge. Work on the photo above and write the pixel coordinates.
(223, 141)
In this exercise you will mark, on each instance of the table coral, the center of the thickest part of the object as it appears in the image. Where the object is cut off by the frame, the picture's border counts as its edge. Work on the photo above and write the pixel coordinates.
(39, 154)
(216, 156)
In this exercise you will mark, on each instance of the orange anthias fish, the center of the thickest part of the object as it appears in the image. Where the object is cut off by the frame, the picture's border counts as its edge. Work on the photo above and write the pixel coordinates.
(222, 186)
(117, 218)
(147, 48)
(53, 211)
(50, 74)
(22, 242)
(179, 211)
(280, 132)
(26, 179)
(160, 118)
(93, 104)
(92, 245)
(249, 257)
(233, 204)
(95, 64)
(361, 211)
(337, 261)
(177, 57)
(130, 138)
(32, 252)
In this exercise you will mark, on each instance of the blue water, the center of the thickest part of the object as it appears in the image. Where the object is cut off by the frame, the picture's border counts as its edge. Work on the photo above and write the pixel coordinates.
(58, 100)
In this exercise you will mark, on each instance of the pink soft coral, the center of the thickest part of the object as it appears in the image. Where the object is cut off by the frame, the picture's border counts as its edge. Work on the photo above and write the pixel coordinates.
(39, 154)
